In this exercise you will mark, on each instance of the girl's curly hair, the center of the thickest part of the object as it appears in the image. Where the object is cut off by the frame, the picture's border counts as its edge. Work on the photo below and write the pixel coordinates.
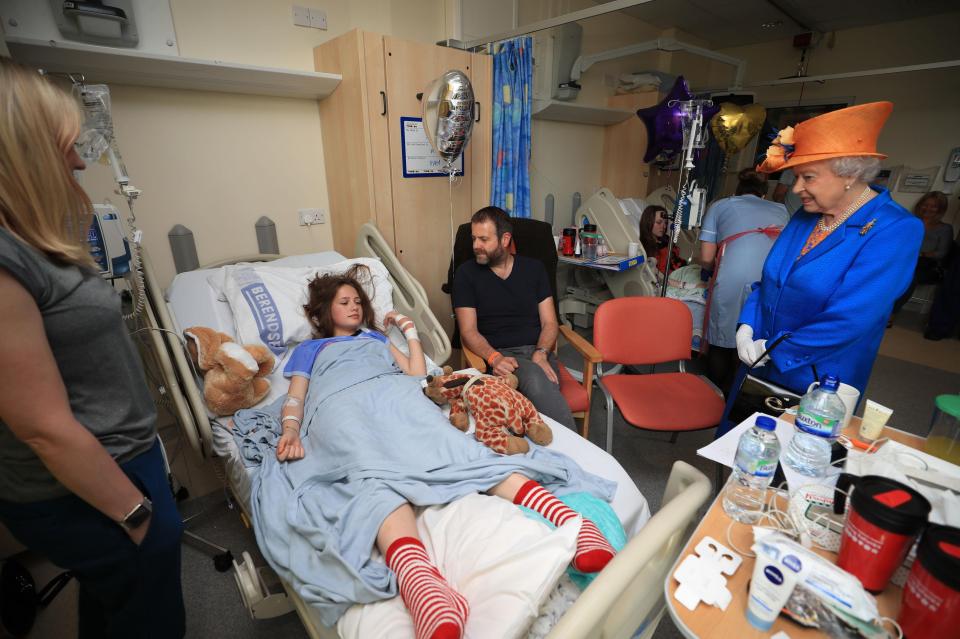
(323, 289)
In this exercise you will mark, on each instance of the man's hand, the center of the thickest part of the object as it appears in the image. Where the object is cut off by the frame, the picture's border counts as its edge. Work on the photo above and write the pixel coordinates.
(540, 359)
(289, 448)
(504, 366)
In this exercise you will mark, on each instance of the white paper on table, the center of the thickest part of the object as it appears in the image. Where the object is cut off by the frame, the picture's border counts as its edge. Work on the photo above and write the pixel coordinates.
(892, 461)
(724, 450)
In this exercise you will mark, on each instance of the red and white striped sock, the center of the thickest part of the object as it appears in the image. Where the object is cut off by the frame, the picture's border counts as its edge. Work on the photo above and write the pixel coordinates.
(593, 550)
(438, 611)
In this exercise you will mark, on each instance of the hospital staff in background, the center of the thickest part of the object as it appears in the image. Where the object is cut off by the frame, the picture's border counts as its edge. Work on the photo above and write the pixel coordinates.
(937, 240)
(832, 276)
(506, 315)
(82, 479)
(735, 237)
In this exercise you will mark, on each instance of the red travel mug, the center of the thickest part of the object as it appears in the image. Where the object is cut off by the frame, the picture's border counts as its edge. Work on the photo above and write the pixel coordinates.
(931, 596)
(884, 520)
(568, 241)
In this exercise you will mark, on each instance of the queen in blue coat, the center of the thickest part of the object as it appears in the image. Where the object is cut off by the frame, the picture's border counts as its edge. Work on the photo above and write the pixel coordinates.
(830, 280)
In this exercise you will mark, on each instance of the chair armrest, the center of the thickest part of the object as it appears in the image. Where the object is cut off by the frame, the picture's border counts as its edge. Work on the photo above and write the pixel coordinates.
(474, 360)
(581, 345)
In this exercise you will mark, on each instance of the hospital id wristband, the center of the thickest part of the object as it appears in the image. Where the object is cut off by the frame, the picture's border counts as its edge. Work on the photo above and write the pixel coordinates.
(292, 418)
(411, 333)
(494, 355)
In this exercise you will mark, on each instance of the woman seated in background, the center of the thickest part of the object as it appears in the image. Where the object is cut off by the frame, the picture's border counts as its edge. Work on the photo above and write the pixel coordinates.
(937, 238)
(373, 446)
(736, 234)
(831, 278)
(654, 239)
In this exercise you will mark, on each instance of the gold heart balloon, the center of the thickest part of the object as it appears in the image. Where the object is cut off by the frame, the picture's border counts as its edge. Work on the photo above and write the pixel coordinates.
(734, 125)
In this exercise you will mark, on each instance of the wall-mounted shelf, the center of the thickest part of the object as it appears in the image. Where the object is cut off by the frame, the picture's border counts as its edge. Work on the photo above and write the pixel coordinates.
(112, 66)
(578, 113)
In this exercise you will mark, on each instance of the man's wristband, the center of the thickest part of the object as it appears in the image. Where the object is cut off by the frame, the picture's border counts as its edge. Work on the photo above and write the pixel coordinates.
(492, 356)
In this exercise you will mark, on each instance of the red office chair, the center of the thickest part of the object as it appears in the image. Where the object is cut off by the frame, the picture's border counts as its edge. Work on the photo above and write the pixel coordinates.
(652, 330)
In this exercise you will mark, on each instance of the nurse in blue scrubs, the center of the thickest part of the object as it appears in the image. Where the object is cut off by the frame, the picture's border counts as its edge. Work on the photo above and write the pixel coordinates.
(830, 280)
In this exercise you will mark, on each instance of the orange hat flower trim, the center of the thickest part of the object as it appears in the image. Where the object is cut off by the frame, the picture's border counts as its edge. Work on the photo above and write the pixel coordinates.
(779, 151)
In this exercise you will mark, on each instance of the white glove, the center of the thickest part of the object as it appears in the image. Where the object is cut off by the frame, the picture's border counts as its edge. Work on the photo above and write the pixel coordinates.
(749, 349)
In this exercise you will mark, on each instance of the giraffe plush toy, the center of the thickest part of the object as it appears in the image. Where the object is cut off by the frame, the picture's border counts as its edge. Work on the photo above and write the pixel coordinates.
(503, 415)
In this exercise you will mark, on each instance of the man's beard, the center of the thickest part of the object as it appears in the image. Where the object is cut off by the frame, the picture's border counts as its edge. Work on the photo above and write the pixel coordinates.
(495, 258)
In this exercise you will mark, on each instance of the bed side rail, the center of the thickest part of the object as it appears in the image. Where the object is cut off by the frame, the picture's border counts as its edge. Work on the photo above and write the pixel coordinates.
(409, 297)
(178, 375)
(627, 597)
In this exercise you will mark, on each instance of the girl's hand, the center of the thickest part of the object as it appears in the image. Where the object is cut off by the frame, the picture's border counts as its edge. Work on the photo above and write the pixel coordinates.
(290, 447)
(404, 323)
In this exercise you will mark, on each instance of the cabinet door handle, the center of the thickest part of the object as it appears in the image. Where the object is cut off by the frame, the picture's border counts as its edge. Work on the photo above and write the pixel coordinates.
(476, 109)
(383, 99)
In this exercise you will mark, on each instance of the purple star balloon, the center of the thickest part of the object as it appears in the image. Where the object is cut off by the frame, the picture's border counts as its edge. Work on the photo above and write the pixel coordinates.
(664, 122)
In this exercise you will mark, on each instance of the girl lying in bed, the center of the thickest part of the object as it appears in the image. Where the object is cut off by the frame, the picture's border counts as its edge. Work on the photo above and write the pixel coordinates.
(355, 401)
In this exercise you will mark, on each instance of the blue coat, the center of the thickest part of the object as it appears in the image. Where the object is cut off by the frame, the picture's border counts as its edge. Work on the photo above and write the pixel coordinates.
(836, 299)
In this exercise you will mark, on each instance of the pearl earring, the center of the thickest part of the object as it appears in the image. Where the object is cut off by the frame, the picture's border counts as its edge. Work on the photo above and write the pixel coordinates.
(846, 187)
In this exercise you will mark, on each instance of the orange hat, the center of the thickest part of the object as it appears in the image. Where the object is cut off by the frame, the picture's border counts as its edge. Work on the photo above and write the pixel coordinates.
(841, 133)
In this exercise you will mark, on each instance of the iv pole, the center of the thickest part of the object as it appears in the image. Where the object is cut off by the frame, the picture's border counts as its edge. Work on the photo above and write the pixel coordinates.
(696, 125)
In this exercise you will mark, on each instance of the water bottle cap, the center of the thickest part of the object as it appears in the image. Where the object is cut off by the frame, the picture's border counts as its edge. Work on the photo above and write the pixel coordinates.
(766, 423)
(830, 383)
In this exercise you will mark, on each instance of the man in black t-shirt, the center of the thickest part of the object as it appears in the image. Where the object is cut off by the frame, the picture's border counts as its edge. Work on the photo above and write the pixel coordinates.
(506, 315)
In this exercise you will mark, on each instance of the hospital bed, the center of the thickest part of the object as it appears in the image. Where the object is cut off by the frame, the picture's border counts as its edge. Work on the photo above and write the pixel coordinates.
(618, 220)
(626, 596)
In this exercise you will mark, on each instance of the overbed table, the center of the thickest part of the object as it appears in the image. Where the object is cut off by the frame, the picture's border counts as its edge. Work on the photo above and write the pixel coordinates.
(709, 622)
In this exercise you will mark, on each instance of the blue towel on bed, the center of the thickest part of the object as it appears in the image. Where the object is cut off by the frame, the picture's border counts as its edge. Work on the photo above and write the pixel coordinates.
(373, 441)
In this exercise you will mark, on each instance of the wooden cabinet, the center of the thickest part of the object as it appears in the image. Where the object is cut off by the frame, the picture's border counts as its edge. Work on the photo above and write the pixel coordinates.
(623, 170)
(360, 121)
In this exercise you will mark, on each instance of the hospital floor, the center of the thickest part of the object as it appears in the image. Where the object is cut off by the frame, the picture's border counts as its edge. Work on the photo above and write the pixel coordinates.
(907, 376)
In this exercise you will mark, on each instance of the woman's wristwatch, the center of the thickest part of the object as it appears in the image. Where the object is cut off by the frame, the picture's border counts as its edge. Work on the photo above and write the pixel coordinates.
(541, 349)
(140, 513)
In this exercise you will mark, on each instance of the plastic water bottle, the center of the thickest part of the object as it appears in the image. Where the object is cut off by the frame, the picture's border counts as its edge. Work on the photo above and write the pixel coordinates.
(819, 417)
(753, 468)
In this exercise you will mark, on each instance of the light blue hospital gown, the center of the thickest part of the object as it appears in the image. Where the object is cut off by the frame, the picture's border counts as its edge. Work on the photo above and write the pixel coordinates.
(373, 441)
(742, 263)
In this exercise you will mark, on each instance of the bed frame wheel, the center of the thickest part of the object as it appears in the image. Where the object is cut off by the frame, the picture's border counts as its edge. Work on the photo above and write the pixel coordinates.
(223, 562)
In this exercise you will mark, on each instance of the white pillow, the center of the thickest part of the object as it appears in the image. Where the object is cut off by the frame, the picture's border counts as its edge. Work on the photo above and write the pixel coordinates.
(267, 301)
(505, 564)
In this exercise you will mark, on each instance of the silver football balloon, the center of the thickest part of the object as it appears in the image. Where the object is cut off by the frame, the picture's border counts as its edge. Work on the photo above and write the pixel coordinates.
(448, 114)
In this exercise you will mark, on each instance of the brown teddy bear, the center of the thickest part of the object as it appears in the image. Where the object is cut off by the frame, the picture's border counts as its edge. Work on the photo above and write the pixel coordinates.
(502, 414)
(233, 375)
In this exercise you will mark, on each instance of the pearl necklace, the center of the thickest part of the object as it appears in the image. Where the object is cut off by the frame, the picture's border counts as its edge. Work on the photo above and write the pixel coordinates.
(850, 210)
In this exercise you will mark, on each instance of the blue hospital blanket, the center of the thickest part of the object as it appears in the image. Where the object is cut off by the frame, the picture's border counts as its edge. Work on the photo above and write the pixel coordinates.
(372, 441)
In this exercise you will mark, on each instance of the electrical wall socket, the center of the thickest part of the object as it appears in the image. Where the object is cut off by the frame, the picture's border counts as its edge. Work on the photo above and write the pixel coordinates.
(309, 217)
(309, 17)
(301, 16)
(318, 18)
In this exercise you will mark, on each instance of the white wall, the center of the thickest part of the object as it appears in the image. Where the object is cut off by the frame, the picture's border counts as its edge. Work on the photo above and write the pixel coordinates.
(216, 162)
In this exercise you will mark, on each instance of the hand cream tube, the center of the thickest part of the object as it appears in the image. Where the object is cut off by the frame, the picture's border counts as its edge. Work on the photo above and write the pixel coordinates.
(874, 419)
(772, 582)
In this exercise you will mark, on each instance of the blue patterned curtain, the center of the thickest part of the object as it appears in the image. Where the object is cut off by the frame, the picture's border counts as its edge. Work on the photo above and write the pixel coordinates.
(512, 102)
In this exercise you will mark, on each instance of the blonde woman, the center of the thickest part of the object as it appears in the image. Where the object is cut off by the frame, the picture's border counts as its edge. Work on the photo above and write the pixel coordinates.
(82, 479)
